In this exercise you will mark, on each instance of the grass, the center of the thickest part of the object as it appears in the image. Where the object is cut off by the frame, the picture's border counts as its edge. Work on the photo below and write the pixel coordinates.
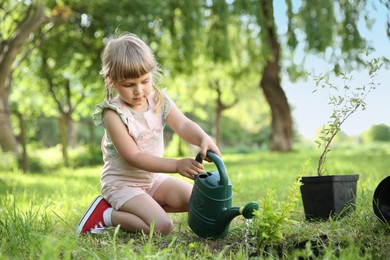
(38, 214)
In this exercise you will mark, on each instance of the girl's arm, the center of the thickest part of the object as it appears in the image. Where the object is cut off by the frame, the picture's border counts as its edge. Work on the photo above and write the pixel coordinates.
(191, 132)
(128, 149)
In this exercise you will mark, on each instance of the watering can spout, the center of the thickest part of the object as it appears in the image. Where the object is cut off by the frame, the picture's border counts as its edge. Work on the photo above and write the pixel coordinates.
(229, 214)
(248, 211)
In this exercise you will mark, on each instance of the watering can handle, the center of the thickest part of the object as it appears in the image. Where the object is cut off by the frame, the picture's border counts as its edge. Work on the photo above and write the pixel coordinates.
(224, 180)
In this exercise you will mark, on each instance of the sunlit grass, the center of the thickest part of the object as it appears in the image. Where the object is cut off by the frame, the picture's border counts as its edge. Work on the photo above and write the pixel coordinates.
(38, 212)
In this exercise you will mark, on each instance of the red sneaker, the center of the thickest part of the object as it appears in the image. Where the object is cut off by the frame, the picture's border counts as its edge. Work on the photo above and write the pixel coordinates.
(92, 220)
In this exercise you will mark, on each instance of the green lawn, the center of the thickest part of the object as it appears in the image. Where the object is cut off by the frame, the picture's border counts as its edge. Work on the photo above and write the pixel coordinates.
(38, 214)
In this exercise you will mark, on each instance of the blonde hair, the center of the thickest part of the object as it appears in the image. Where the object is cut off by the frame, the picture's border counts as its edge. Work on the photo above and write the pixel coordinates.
(127, 56)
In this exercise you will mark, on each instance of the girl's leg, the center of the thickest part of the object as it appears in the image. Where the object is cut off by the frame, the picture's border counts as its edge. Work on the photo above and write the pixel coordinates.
(173, 195)
(139, 213)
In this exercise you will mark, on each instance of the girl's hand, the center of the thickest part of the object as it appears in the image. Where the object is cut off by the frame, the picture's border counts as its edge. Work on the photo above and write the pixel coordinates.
(208, 144)
(189, 168)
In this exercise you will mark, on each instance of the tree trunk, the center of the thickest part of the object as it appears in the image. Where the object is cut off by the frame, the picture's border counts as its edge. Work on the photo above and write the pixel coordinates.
(8, 54)
(72, 130)
(63, 138)
(91, 134)
(218, 115)
(281, 138)
(219, 108)
(180, 148)
(281, 134)
(22, 139)
(8, 140)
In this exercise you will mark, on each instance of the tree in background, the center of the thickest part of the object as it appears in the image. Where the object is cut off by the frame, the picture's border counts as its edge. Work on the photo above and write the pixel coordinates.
(67, 63)
(211, 43)
(14, 34)
(70, 76)
(328, 28)
(380, 133)
(322, 27)
(216, 59)
(19, 21)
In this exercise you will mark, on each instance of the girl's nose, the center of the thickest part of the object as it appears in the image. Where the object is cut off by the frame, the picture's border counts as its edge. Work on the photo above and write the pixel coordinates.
(138, 89)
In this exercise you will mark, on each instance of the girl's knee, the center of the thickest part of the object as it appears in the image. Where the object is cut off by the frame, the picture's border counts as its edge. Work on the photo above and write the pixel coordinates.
(163, 226)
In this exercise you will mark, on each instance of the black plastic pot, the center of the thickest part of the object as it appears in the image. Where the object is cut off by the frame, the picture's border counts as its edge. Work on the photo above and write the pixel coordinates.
(381, 200)
(328, 196)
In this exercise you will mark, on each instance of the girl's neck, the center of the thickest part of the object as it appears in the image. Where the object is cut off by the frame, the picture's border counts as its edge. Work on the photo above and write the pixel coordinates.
(141, 108)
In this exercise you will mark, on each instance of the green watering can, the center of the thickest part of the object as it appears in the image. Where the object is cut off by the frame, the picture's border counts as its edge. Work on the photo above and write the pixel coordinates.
(210, 211)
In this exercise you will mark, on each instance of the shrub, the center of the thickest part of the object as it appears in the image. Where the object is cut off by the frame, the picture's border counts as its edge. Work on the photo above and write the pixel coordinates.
(380, 133)
(8, 162)
(85, 156)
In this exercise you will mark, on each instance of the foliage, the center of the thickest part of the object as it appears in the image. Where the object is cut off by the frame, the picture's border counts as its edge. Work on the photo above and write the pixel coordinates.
(380, 133)
(345, 100)
(8, 162)
(84, 156)
(176, 147)
(49, 159)
(208, 41)
(273, 216)
(45, 160)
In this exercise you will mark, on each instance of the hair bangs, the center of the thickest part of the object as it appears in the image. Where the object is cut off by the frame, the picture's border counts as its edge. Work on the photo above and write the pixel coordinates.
(132, 62)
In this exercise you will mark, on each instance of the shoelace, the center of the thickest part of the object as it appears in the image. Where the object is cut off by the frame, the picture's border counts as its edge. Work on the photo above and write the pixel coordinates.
(98, 228)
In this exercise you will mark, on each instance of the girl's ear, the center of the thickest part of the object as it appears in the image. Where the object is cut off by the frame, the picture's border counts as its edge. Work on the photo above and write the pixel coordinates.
(109, 82)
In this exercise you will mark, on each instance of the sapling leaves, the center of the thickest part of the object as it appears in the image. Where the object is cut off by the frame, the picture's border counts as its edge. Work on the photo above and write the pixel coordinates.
(345, 102)
(274, 215)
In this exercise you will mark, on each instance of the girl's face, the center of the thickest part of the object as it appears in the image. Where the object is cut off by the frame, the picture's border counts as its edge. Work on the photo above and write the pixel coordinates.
(135, 91)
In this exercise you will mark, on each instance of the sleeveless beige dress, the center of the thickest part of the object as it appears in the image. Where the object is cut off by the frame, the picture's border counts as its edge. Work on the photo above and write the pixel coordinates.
(120, 181)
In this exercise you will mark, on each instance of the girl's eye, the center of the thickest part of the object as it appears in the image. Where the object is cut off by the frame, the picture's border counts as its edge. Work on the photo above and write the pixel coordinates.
(132, 84)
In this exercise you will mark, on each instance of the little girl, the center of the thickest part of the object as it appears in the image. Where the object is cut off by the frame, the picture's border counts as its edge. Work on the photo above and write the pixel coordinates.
(136, 193)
